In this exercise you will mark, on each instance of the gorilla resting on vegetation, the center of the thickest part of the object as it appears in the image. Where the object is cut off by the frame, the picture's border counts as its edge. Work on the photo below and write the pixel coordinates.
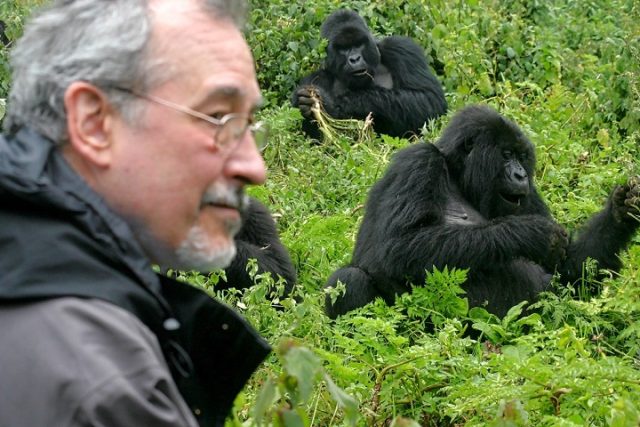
(469, 201)
(389, 78)
(258, 239)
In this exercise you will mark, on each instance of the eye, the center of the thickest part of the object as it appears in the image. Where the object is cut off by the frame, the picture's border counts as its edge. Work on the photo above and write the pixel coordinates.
(507, 154)
(217, 115)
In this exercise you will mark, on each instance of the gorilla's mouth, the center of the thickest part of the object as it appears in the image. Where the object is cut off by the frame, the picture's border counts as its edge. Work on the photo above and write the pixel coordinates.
(512, 199)
(361, 73)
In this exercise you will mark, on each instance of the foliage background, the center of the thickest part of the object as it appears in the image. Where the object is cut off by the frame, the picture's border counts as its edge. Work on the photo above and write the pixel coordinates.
(568, 72)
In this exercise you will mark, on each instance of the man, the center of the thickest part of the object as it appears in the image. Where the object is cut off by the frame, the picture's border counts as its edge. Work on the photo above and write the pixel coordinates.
(129, 141)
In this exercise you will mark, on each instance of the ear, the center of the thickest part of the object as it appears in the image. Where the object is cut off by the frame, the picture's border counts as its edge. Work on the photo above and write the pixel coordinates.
(89, 123)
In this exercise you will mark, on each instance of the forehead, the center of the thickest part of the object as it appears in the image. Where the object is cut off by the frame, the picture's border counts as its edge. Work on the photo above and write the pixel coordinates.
(203, 55)
(349, 35)
(512, 138)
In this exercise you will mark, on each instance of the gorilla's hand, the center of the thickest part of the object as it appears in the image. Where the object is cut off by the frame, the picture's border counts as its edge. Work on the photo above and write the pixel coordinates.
(306, 99)
(558, 240)
(544, 240)
(312, 97)
(625, 202)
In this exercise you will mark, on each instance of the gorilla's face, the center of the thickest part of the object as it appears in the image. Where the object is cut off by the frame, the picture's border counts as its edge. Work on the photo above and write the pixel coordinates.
(353, 56)
(497, 175)
(513, 187)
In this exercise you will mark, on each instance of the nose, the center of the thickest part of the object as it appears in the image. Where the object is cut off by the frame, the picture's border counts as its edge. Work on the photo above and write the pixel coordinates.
(245, 163)
(354, 59)
(515, 173)
(520, 174)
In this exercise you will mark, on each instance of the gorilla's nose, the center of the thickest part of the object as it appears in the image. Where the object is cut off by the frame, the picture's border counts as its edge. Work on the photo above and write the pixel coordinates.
(515, 173)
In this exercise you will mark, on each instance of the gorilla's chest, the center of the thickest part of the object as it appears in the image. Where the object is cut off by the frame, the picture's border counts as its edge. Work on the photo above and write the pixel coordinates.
(458, 211)
(383, 77)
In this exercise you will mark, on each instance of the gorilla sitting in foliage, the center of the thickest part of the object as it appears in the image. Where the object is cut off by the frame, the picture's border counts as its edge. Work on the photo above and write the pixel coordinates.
(4, 40)
(469, 202)
(258, 239)
(389, 78)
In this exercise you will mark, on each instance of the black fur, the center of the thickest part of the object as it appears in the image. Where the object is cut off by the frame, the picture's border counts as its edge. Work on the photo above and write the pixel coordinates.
(389, 78)
(469, 201)
(4, 40)
(258, 239)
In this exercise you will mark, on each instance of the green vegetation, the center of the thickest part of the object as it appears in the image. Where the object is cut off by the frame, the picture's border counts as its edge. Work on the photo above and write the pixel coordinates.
(568, 72)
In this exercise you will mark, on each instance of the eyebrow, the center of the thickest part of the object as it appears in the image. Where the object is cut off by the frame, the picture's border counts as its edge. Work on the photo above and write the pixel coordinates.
(227, 93)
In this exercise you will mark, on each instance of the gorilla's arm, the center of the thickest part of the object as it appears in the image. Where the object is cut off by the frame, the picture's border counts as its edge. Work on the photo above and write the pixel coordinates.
(606, 234)
(477, 246)
(395, 111)
(258, 239)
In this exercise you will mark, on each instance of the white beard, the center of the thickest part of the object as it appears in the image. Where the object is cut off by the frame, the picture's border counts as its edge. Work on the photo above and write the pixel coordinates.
(197, 253)
(198, 250)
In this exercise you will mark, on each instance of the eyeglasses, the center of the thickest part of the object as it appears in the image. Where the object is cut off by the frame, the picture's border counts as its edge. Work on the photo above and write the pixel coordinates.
(228, 130)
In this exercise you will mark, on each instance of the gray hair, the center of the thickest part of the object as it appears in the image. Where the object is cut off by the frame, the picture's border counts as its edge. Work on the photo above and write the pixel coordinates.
(101, 42)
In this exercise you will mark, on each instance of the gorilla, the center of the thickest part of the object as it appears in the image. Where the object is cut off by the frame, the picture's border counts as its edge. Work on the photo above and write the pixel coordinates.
(258, 239)
(4, 40)
(469, 201)
(388, 78)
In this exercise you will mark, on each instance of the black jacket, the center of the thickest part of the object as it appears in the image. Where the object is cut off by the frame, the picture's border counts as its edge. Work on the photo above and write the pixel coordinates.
(58, 238)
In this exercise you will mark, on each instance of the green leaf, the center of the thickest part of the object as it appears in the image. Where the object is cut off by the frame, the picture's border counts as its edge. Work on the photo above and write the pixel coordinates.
(513, 313)
(518, 354)
(348, 404)
(266, 398)
(304, 366)
(292, 418)
(403, 422)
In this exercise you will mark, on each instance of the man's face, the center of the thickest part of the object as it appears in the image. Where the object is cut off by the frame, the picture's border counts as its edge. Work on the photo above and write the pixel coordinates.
(176, 187)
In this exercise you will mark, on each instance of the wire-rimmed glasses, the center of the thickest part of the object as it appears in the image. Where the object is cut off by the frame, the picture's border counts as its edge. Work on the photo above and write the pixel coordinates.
(229, 129)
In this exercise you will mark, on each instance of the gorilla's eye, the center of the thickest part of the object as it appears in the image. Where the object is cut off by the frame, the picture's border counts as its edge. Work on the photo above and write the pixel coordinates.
(507, 154)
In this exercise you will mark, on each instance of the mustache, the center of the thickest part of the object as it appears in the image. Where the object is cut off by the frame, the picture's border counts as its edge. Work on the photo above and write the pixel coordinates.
(225, 196)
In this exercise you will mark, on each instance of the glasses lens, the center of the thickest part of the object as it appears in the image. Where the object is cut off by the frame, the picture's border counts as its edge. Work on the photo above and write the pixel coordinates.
(260, 132)
(234, 129)
(231, 130)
